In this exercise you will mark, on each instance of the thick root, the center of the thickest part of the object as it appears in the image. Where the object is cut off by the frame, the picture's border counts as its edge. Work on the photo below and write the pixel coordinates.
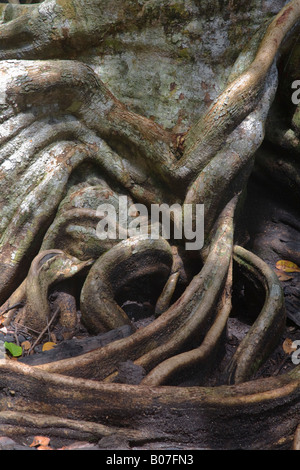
(130, 260)
(185, 321)
(215, 418)
(264, 334)
(201, 356)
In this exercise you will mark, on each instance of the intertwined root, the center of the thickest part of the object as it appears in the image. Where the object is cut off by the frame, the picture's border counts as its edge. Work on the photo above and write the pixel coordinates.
(57, 117)
(182, 323)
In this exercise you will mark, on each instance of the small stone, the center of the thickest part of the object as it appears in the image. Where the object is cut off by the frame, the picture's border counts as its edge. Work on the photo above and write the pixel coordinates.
(10, 338)
(2, 350)
(6, 443)
(130, 373)
(38, 348)
(79, 445)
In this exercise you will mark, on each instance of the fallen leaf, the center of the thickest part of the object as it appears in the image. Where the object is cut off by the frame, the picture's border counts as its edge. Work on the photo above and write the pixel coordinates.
(48, 346)
(287, 266)
(44, 448)
(40, 441)
(288, 346)
(14, 349)
(26, 345)
(282, 276)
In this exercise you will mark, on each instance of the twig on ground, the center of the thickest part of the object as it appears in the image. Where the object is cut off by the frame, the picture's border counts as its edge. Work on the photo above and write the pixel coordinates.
(44, 330)
(18, 304)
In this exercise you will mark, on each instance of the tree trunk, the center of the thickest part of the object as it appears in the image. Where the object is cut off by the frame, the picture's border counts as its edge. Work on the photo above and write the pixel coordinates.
(151, 103)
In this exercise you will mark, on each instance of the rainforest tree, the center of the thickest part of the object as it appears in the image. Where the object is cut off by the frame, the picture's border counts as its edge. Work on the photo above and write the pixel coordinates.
(164, 102)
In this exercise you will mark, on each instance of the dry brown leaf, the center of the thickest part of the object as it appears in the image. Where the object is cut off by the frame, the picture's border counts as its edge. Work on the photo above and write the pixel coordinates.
(282, 276)
(40, 441)
(287, 266)
(48, 346)
(288, 346)
(26, 345)
(44, 448)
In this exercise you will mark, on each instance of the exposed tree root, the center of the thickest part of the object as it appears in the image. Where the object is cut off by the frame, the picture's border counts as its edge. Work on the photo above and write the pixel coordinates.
(296, 443)
(185, 321)
(266, 330)
(46, 269)
(201, 356)
(13, 424)
(207, 417)
(131, 259)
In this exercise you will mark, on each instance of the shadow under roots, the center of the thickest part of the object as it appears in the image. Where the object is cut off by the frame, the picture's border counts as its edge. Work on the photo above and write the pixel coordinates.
(139, 296)
(271, 217)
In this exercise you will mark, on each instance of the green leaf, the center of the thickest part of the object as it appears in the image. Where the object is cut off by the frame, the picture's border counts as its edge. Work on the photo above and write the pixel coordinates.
(13, 349)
